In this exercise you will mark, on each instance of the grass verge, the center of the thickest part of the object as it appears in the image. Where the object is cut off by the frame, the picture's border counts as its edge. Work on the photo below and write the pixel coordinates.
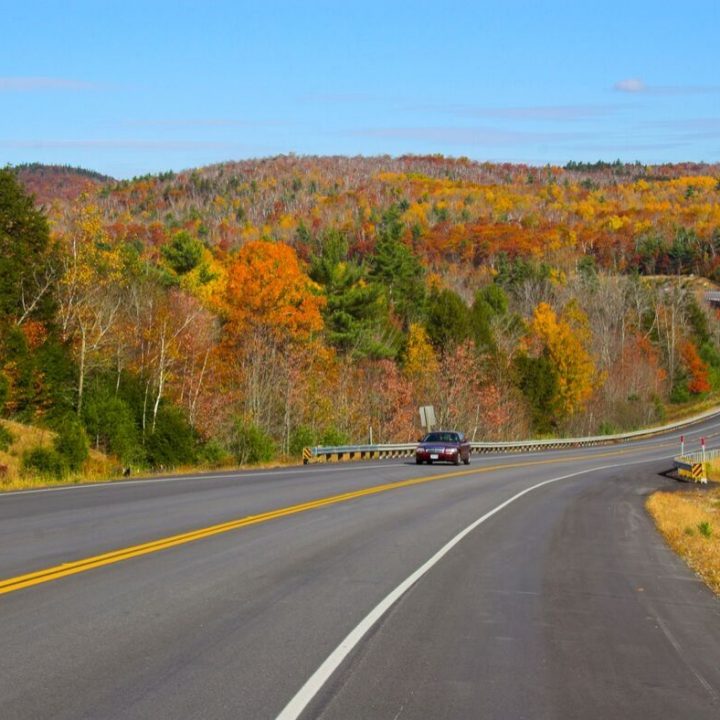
(19, 438)
(690, 522)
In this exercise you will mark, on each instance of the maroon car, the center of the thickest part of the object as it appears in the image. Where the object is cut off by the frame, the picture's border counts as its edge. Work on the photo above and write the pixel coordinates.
(443, 445)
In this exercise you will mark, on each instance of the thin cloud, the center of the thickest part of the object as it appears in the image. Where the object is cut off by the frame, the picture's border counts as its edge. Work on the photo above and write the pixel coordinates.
(630, 85)
(31, 84)
(116, 145)
(620, 148)
(539, 112)
(341, 98)
(637, 86)
(204, 123)
(465, 136)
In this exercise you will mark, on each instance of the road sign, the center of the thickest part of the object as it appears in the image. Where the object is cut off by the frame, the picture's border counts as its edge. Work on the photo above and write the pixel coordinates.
(427, 416)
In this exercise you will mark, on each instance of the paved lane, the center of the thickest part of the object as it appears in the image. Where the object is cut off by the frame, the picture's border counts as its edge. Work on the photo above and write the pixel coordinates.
(565, 606)
(231, 626)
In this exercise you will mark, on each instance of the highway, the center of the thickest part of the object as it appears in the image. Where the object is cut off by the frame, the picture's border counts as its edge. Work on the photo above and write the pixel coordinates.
(523, 586)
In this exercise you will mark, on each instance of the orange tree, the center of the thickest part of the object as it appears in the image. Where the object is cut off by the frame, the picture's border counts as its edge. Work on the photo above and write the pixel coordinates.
(272, 311)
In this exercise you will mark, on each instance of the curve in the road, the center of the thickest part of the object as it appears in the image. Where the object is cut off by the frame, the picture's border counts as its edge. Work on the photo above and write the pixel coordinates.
(57, 572)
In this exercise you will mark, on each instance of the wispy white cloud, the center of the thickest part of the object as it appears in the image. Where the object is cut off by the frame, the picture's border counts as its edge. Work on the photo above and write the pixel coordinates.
(348, 97)
(30, 84)
(636, 85)
(466, 136)
(630, 85)
(203, 123)
(616, 149)
(538, 112)
(182, 145)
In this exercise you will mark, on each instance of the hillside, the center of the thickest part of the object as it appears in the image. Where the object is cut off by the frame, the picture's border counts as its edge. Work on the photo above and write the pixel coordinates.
(50, 183)
(248, 308)
(461, 217)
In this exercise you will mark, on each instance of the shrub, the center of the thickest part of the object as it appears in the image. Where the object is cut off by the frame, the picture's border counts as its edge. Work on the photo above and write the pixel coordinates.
(4, 390)
(250, 444)
(333, 436)
(680, 392)
(110, 423)
(607, 428)
(212, 453)
(71, 443)
(44, 461)
(173, 442)
(300, 438)
(6, 438)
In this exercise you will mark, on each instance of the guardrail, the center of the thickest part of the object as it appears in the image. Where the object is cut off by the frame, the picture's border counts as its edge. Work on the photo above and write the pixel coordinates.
(694, 471)
(692, 465)
(337, 453)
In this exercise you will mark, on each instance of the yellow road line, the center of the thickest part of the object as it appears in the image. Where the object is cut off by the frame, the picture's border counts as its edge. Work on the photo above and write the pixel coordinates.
(78, 566)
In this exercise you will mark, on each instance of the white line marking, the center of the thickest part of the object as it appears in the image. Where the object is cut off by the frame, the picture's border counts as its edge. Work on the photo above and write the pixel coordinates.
(314, 684)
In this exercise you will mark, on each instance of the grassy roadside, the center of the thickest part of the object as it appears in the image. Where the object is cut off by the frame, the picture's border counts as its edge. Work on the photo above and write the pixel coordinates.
(25, 437)
(690, 523)
(677, 412)
(101, 468)
(97, 468)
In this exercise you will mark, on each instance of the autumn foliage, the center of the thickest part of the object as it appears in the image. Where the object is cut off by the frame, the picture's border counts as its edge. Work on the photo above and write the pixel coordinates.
(305, 300)
(266, 287)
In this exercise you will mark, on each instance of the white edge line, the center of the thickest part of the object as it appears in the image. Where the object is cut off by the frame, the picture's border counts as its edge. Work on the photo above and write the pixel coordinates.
(314, 684)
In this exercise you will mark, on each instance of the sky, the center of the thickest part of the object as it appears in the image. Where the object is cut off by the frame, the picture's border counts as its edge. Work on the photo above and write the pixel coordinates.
(128, 88)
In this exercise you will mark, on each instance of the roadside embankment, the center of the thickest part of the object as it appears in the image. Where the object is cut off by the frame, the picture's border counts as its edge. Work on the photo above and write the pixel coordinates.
(690, 522)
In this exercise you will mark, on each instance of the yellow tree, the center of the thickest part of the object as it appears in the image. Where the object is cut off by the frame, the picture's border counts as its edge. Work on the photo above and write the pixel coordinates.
(89, 293)
(565, 341)
(421, 364)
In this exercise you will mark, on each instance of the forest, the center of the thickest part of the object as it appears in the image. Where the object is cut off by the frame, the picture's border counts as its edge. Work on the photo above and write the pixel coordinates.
(236, 313)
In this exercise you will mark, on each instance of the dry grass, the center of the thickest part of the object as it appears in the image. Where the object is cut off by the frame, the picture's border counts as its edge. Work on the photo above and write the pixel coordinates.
(24, 438)
(690, 522)
(712, 470)
(97, 467)
(675, 413)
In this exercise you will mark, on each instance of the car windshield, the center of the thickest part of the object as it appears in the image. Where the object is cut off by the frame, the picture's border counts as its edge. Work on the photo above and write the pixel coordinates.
(441, 437)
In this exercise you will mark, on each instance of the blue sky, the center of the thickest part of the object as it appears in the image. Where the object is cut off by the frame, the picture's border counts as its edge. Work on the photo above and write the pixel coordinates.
(128, 88)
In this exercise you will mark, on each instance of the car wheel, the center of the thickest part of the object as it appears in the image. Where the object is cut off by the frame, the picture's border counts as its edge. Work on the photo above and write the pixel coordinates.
(418, 461)
(467, 460)
(456, 459)
(430, 462)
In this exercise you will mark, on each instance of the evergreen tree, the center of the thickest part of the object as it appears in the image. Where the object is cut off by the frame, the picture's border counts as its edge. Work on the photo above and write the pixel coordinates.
(490, 302)
(183, 252)
(537, 379)
(448, 319)
(24, 249)
(398, 270)
(355, 315)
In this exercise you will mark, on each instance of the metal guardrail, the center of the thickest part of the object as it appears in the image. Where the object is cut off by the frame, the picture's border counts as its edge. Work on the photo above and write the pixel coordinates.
(337, 453)
(692, 466)
(699, 457)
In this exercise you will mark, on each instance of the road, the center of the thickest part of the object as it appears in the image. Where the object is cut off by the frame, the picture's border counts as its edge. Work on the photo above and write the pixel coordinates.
(525, 586)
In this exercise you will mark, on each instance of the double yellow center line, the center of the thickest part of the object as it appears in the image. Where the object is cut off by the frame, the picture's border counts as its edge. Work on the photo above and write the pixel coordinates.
(90, 563)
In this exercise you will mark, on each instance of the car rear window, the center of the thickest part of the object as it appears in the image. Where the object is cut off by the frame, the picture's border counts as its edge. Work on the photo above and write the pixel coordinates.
(442, 437)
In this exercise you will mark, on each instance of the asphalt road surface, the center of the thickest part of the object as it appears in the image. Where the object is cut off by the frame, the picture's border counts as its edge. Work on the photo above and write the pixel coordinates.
(524, 586)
